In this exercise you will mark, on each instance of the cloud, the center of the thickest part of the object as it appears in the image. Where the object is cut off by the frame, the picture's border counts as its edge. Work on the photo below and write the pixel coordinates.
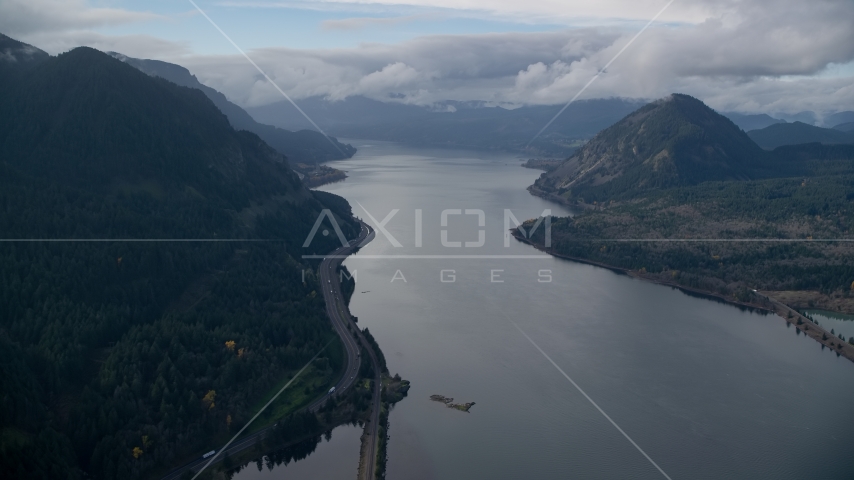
(56, 26)
(736, 54)
(139, 46)
(424, 70)
(531, 11)
(360, 23)
(751, 56)
(25, 17)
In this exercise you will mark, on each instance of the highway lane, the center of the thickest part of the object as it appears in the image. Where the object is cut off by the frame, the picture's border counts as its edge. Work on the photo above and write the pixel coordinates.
(342, 322)
(337, 309)
(346, 327)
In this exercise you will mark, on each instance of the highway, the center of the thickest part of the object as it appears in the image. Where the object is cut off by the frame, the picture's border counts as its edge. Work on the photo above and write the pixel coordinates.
(346, 329)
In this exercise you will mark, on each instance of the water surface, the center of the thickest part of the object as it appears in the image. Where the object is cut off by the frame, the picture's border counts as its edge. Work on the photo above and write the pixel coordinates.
(708, 390)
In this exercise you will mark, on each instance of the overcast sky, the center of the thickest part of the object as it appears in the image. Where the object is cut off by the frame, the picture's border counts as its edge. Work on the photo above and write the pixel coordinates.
(750, 56)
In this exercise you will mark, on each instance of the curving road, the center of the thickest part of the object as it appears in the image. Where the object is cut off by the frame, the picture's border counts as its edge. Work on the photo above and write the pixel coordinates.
(347, 329)
(337, 309)
(351, 337)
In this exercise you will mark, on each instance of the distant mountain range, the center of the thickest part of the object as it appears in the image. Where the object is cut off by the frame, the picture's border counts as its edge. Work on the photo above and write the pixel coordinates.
(303, 146)
(839, 119)
(796, 133)
(455, 124)
(476, 125)
(749, 122)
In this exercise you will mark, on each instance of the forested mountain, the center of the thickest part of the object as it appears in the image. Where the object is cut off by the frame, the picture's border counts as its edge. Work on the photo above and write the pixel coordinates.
(306, 146)
(674, 141)
(812, 197)
(719, 195)
(18, 53)
(127, 353)
(796, 133)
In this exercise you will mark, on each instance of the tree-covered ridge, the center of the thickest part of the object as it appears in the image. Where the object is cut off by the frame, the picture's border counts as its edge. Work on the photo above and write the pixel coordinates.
(300, 146)
(15, 53)
(813, 200)
(120, 357)
(671, 142)
(85, 116)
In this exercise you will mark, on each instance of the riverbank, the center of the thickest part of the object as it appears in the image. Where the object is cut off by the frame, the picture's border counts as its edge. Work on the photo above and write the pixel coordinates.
(763, 301)
(314, 176)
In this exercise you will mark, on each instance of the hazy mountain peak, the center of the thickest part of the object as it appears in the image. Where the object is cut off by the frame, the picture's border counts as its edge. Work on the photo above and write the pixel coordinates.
(14, 52)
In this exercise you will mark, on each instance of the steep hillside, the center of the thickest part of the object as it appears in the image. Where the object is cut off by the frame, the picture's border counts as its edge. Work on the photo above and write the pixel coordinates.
(795, 133)
(142, 328)
(671, 142)
(18, 53)
(86, 118)
(303, 146)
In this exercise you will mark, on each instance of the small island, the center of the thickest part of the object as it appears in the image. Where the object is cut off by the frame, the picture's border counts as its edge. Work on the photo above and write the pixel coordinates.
(449, 402)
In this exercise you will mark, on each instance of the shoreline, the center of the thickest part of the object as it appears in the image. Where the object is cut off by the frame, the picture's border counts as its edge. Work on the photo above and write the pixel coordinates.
(239, 448)
(778, 308)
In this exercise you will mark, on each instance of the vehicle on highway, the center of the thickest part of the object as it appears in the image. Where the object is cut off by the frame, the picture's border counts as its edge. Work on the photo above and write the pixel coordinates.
(209, 454)
(332, 390)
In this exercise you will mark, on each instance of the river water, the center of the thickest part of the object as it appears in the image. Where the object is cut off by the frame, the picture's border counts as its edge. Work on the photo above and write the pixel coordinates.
(705, 389)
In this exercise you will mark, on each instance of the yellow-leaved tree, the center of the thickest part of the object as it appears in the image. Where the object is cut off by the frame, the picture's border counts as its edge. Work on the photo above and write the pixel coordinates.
(230, 345)
(137, 452)
(209, 399)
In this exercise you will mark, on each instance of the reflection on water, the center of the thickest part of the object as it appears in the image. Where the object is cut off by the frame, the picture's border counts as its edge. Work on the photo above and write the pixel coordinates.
(839, 323)
(330, 457)
(281, 457)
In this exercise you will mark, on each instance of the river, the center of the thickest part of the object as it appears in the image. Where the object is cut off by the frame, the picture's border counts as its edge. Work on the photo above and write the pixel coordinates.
(706, 390)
